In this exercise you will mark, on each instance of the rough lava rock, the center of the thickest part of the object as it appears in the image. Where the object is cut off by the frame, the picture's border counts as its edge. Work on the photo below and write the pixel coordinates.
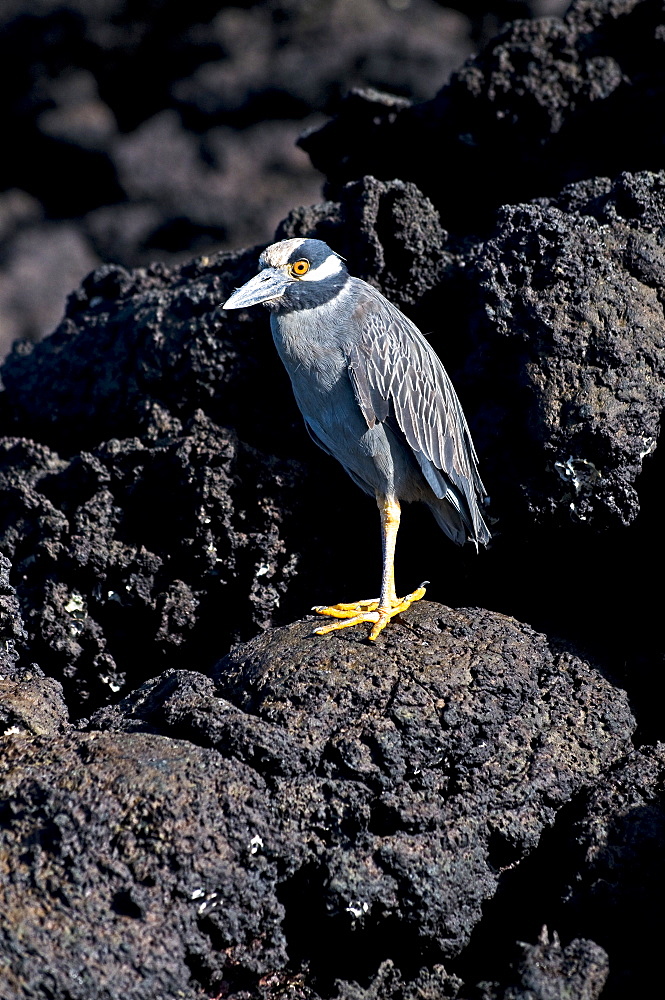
(615, 876)
(575, 284)
(131, 869)
(544, 971)
(30, 702)
(546, 102)
(415, 772)
(128, 599)
(460, 740)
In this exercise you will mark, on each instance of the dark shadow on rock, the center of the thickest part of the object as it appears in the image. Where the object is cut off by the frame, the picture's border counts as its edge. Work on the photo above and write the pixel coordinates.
(617, 878)
(596, 872)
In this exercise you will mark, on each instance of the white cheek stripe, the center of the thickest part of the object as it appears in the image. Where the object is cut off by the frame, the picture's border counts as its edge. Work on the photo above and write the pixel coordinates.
(331, 265)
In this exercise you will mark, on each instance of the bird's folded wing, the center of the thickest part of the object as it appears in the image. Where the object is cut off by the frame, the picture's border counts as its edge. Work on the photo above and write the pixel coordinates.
(394, 370)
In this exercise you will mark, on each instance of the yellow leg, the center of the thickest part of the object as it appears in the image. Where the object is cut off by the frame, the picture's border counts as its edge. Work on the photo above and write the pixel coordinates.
(377, 611)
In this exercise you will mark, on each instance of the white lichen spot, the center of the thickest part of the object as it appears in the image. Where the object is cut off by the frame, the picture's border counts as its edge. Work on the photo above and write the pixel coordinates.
(579, 472)
(357, 909)
(113, 684)
(209, 903)
(13, 731)
(75, 606)
(262, 569)
(255, 844)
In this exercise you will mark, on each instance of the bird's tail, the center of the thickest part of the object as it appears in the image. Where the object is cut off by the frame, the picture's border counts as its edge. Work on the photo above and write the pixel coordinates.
(454, 521)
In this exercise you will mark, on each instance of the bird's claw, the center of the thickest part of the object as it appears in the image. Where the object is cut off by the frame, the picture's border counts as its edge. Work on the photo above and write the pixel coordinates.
(347, 610)
(366, 611)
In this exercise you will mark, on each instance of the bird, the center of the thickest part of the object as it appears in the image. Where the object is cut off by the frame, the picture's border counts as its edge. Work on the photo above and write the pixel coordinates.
(374, 395)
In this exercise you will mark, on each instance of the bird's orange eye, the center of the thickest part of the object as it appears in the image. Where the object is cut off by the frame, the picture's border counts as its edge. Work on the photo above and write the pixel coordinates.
(300, 267)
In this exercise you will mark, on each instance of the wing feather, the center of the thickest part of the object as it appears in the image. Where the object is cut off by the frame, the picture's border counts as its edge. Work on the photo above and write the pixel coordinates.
(394, 370)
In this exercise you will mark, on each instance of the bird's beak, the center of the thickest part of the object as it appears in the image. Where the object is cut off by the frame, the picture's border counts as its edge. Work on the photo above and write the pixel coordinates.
(268, 284)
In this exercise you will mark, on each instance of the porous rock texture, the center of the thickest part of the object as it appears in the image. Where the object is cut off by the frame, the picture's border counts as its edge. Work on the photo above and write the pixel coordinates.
(131, 870)
(542, 105)
(309, 796)
(30, 702)
(579, 281)
(457, 811)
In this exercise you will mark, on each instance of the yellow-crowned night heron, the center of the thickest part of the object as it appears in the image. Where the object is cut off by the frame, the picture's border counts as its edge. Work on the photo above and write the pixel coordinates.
(375, 396)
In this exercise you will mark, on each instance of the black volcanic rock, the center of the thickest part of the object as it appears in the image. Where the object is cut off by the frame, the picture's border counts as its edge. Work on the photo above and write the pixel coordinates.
(616, 876)
(418, 770)
(543, 971)
(547, 102)
(547, 971)
(30, 702)
(123, 602)
(457, 734)
(389, 234)
(133, 868)
(134, 340)
(575, 286)
(12, 628)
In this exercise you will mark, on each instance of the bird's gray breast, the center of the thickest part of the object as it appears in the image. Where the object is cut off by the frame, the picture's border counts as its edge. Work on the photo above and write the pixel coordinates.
(313, 345)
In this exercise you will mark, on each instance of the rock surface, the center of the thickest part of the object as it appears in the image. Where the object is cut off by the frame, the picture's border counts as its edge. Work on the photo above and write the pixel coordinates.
(577, 283)
(131, 869)
(542, 105)
(30, 702)
(618, 835)
(127, 601)
(371, 798)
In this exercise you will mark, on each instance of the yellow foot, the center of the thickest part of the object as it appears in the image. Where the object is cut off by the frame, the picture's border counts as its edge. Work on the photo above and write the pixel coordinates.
(367, 611)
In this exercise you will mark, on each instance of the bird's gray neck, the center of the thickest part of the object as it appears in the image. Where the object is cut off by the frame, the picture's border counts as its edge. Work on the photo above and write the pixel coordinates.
(313, 342)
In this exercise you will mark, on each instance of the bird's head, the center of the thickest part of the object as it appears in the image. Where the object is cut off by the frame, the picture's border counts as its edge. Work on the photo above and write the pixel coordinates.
(294, 274)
